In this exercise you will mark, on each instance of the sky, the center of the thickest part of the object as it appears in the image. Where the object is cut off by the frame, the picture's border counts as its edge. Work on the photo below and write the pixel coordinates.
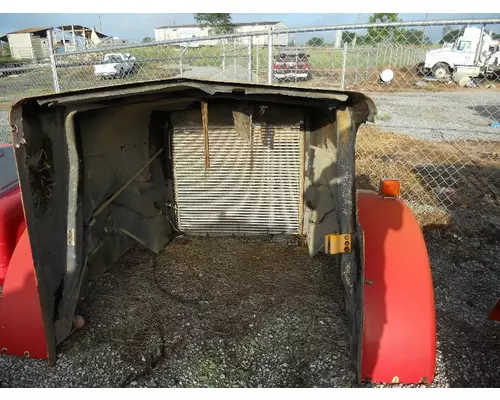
(138, 26)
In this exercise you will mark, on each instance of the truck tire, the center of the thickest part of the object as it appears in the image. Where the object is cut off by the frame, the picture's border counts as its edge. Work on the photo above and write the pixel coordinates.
(441, 71)
(421, 70)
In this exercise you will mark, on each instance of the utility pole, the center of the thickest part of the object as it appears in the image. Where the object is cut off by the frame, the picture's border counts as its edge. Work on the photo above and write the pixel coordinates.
(355, 32)
(425, 26)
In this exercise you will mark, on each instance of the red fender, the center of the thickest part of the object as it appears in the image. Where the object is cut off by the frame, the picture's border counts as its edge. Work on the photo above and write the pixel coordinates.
(12, 225)
(12, 221)
(21, 325)
(399, 336)
(494, 314)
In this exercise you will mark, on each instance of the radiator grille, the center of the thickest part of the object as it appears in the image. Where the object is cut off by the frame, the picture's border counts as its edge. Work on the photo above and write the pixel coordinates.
(249, 188)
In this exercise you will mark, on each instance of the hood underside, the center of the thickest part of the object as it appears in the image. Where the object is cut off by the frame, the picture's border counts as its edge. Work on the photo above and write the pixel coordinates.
(102, 169)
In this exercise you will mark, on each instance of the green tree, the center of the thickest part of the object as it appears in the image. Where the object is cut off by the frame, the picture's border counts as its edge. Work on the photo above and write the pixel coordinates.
(384, 34)
(348, 37)
(415, 36)
(315, 41)
(450, 35)
(4, 51)
(220, 22)
(147, 40)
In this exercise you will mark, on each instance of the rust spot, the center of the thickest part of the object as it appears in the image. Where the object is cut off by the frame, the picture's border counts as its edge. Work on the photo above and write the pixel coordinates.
(344, 126)
(4, 350)
(425, 379)
(368, 282)
(395, 379)
(26, 353)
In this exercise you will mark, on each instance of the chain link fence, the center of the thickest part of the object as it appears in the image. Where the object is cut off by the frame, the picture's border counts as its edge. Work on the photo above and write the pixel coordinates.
(438, 99)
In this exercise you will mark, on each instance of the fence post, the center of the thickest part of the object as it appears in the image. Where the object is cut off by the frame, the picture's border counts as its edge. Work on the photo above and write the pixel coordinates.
(333, 58)
(257, 66)
(269, 57)
(53, 66)
(223, 57)
(250, 58)
(356, 74)
(181, 59)
(180, 63)
(344, 62)
(234, 57)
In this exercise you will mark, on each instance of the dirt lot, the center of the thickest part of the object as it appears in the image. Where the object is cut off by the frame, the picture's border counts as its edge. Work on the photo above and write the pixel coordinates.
(437, 177)
(226, 312)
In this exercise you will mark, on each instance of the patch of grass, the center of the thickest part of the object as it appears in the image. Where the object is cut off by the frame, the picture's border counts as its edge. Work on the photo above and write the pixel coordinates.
(436, 177)
(384, 117)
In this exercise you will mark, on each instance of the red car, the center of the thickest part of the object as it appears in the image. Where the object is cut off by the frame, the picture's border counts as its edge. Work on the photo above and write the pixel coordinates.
(291, 66)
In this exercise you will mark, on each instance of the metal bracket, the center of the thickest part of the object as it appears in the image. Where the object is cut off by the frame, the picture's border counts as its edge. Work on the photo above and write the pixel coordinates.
(338, 243)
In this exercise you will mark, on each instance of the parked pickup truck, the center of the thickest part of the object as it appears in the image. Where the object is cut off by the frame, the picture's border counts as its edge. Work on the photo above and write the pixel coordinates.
(115, 65)
(291, 66)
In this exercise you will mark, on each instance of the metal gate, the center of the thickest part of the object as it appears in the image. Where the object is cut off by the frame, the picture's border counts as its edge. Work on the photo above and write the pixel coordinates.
(250, 187)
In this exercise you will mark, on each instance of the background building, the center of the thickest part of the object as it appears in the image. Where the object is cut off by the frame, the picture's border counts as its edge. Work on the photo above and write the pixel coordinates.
(191, 31)
(33, 43)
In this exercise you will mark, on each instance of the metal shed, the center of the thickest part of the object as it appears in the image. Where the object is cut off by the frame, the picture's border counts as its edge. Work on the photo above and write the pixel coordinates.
(29, 43)
(33, 43)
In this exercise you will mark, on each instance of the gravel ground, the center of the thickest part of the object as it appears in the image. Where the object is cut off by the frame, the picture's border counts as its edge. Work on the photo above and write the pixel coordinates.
(226, 312)
(232, 73)
(440, 116)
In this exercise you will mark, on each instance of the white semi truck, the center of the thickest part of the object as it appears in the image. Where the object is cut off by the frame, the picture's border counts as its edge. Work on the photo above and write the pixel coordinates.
(474, 53)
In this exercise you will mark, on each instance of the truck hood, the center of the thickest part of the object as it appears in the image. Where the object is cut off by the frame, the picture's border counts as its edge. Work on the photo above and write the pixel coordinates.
(78, 151)
(438, 52)
(437, 55)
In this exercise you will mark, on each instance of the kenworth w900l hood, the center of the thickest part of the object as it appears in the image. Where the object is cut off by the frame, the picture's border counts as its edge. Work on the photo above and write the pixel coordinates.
(97, 173)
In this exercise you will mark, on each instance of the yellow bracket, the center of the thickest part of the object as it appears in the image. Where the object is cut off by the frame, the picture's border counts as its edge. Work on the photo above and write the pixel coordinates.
(337, 243)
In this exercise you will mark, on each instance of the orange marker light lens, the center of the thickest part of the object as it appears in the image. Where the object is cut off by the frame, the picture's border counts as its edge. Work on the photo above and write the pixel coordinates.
(390, 187)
